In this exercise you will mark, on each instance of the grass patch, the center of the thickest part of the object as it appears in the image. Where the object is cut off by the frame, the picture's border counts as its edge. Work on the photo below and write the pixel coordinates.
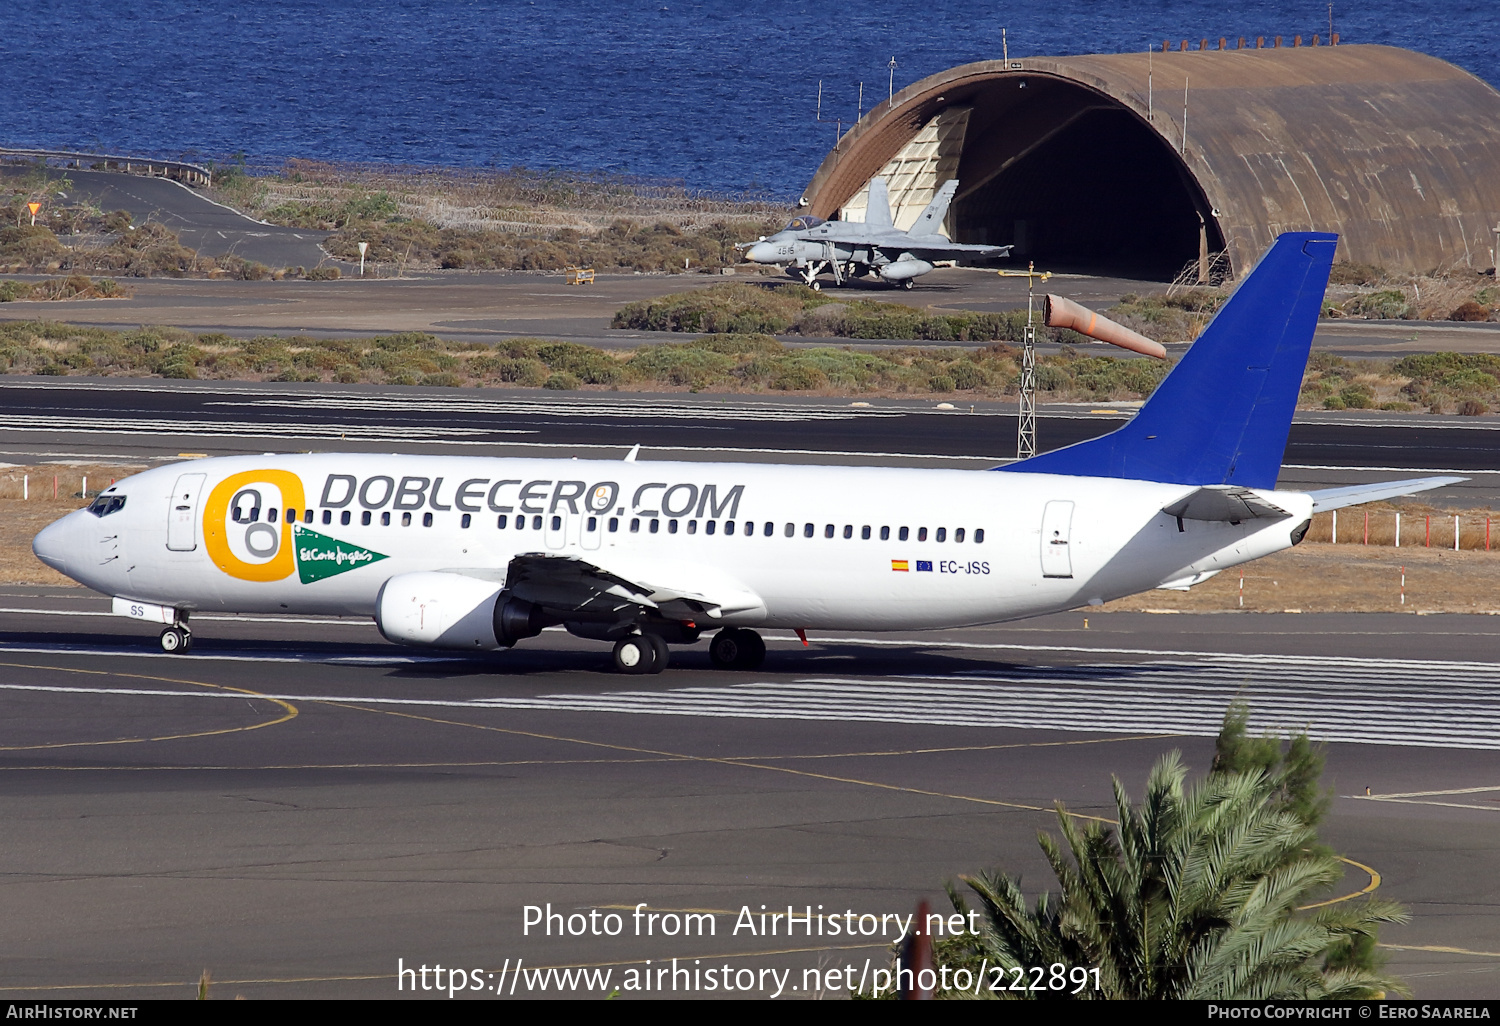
(72, 287)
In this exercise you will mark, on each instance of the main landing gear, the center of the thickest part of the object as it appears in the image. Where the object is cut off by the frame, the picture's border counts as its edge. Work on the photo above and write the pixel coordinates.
(176, 640)
(736, 648)
(641, 653)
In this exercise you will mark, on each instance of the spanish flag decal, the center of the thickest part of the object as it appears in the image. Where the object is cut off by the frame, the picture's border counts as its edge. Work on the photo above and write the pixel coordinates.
(900, 564)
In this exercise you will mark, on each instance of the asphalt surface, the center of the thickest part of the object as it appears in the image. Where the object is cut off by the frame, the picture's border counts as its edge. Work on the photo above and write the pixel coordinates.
(121, 420)
(200, 223)
(302, 809)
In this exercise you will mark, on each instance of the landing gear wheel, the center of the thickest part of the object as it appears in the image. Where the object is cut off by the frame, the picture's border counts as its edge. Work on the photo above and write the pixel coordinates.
(176, 641)
(816, 286)
(635, 653)
(735, 648)
(908, 284)
(662, 655)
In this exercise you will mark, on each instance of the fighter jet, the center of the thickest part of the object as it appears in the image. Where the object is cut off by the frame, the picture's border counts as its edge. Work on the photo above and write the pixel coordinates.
(808, 246)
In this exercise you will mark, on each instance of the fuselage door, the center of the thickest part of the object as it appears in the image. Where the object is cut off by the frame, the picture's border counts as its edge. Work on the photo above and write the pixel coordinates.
(182, 513)
(1057, 524)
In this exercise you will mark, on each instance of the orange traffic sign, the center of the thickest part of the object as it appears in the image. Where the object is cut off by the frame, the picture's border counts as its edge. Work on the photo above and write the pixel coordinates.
(33, 207)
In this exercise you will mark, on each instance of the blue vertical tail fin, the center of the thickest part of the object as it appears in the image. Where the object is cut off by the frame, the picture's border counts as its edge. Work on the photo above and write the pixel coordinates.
(1223, 413)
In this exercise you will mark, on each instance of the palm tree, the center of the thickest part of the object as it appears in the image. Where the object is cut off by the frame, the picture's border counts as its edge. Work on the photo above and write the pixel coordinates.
(1196, 894)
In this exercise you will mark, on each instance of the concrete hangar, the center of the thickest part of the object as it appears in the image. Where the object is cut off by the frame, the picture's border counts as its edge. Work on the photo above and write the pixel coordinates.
(1150, 164)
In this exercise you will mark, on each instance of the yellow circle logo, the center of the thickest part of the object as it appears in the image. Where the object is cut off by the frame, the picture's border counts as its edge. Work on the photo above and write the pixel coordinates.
(240, 529)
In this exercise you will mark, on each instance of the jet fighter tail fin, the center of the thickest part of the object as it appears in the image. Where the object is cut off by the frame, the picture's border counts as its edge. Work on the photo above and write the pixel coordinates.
(1223, 414)
(930, 220)
(878, 211)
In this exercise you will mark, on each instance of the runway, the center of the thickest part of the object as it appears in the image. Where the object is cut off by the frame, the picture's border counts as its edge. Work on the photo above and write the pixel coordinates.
(297, 805)
(153, 420)
(303, 809)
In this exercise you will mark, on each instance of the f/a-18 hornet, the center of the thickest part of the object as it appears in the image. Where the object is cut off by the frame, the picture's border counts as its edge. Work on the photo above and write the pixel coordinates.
(808, 246)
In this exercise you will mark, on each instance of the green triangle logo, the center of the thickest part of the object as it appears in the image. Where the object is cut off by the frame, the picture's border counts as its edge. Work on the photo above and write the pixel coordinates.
(319, 556)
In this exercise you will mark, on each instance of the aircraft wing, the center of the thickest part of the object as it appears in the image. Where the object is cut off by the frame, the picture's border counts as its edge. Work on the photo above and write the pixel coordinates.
(676, 590)
(1353, 495)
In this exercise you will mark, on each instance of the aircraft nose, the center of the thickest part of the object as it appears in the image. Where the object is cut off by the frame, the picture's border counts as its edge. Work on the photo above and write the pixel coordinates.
(760, 253)
(57, 541)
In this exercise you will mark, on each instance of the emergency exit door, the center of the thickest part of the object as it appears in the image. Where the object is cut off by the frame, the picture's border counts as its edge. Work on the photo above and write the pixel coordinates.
(182, 513)
(1057, 524)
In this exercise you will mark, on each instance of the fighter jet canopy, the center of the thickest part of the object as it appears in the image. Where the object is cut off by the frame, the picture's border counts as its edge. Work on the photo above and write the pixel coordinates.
(803, 223)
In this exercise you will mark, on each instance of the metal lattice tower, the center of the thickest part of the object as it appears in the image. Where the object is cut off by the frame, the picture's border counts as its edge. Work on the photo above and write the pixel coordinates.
(1026, 425)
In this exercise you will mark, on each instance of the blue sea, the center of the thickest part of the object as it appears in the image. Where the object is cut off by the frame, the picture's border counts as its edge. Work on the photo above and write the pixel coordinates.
(720, 94)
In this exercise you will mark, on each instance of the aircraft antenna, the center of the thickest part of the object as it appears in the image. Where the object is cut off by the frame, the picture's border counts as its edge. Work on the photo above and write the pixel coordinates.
(1026, 390)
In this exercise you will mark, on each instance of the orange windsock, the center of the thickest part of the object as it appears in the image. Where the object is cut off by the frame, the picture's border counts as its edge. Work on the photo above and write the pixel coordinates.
(1064, 313)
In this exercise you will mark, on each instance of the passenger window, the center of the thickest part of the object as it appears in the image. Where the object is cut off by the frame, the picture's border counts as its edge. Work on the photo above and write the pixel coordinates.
(827, 530)
(849, 531)
(708, 527)
(307, 517)
(864, 533)
(270, 516)
(771, 528)
(406, 520)
(328, 516)
(807, 530)
(921, 534)
(426, 519)
(692, 527)
(385, 519)
(536, 523)
(978, 536)
(885, 534)
(520, 523)
(791, 530)
(958, 534)
(614, 524)
(466, 520)
(905, 533)
(593, 524)
(942, 534)
(635, 525)
(671, 527)
(728, 527)
(655, 526)
(291, 516)
(344, 518)
(364, 519)
(500, 522)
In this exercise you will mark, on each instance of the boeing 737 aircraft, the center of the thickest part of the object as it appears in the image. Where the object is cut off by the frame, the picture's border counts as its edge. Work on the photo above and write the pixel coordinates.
(476, 554)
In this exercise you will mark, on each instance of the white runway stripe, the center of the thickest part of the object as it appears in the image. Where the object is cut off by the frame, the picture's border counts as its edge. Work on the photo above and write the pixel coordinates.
(1376, 701)
(232, 428)
(673, 410)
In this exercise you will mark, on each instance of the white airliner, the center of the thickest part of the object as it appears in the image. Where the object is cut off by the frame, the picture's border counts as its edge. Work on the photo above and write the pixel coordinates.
(476, 554)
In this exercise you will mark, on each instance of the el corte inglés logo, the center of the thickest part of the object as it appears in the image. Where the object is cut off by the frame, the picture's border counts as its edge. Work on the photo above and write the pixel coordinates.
(319, 556)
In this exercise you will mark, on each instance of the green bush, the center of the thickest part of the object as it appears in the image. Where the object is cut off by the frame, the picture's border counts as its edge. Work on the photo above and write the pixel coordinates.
(1386, 305)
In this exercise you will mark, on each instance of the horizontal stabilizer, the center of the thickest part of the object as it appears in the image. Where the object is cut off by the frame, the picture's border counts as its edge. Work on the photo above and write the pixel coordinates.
(1338, 498)
(1224, 504)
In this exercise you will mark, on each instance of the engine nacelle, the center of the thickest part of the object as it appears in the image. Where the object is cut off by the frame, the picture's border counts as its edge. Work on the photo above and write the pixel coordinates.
(441, 610)
(900, 270)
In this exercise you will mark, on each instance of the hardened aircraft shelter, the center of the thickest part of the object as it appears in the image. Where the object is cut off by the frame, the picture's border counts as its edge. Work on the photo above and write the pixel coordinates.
(1150, 164)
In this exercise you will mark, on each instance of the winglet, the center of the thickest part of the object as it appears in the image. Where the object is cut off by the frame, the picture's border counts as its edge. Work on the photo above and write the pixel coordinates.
(632, 454)
(1223, 414)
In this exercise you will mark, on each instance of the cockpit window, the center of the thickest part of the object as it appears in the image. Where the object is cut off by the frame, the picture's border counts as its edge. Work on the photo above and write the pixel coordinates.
(803, 223)
(104, 505)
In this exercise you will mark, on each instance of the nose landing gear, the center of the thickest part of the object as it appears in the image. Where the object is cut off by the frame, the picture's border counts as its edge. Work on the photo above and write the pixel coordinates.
(176, 640)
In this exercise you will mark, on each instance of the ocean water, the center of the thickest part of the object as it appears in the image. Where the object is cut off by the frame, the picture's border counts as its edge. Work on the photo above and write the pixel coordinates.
(718, 94)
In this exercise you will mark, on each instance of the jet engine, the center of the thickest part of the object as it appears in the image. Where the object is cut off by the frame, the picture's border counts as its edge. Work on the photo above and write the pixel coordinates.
(447, 610)
(901, 270)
